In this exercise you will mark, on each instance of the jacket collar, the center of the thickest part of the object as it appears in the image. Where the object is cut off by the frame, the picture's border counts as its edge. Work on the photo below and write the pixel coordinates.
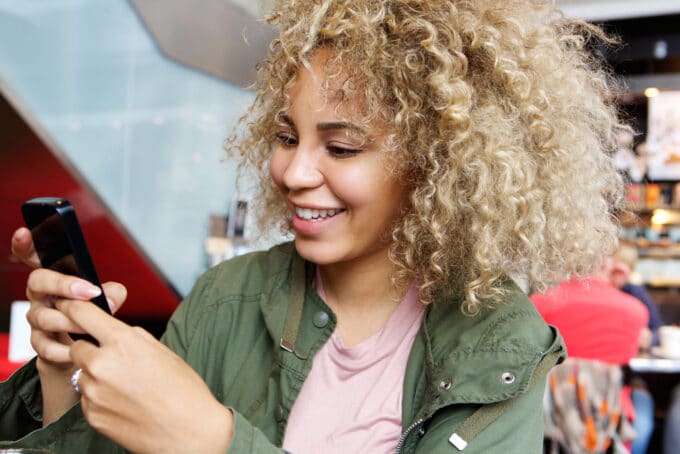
(488, 357)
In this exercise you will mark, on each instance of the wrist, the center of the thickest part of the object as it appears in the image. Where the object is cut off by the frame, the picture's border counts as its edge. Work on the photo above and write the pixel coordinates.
(221, 429)
(212, 432)
(57, 393)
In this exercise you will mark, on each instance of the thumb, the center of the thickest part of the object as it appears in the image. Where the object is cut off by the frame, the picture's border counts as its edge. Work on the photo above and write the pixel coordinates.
(22, 247)
(116, 294)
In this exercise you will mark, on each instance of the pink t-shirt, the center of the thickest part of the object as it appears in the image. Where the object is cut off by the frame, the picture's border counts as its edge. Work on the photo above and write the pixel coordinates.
(351, 400)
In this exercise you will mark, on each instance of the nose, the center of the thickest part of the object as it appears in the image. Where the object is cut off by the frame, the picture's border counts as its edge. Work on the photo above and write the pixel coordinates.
(303, 169)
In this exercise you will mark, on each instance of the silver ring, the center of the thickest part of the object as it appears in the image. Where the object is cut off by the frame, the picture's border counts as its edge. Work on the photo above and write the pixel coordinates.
(74, 380)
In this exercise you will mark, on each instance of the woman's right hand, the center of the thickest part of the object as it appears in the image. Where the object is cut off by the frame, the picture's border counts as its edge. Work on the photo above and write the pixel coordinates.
(50, 328)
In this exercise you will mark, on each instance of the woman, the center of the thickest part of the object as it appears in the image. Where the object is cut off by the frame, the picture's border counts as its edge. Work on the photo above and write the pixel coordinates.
(422, 153)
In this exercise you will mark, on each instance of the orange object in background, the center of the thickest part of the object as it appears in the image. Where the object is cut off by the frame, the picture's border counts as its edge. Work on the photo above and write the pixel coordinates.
(652, 195)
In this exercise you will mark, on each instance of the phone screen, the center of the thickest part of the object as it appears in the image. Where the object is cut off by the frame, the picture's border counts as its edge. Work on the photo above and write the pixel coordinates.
(59, 242)
(52, 246)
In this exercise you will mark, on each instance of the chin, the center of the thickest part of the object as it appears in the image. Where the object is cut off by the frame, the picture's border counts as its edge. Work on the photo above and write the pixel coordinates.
(316, 253)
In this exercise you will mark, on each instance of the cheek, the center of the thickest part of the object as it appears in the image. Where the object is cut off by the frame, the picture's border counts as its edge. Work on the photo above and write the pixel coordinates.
(370, 189)
(355, 187)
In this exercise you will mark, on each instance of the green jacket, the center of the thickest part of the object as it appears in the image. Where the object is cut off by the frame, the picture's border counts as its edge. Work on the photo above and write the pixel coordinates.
(230, 329)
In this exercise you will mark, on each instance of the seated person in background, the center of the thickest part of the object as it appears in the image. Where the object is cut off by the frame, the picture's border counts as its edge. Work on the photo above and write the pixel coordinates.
(620, 276)
(598, 321)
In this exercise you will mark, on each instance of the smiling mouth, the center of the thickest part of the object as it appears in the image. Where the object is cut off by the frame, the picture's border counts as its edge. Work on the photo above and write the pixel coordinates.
(309, 214)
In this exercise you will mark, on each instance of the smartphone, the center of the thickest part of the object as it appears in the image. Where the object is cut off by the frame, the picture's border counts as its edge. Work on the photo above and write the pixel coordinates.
(60, 243)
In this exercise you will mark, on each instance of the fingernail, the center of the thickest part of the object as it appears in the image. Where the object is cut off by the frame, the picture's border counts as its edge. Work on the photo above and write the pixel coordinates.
(85, 290)
(111, 305)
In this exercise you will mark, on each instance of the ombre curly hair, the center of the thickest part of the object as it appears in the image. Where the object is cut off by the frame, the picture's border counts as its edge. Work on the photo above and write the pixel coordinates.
(500, 116)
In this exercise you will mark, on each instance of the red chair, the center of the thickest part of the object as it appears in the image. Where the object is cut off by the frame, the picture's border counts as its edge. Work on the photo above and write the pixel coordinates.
(7, 367)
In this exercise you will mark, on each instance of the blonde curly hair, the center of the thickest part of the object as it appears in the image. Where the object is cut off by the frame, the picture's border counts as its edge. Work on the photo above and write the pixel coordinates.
(498, 114)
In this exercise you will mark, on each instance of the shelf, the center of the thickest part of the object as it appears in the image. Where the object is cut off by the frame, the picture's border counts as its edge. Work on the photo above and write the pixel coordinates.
(662, 216)
(668, 253)
(662, 246)
(663, 282)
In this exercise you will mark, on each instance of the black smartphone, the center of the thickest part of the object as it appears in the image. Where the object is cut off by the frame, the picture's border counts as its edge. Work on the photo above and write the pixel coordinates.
(60, 243)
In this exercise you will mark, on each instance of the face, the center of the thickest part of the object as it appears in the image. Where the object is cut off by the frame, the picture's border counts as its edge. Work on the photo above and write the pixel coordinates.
(334, 176)
(619, 274)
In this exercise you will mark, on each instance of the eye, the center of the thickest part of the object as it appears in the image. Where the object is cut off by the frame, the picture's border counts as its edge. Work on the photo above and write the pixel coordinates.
(286, 140)
(342, 152)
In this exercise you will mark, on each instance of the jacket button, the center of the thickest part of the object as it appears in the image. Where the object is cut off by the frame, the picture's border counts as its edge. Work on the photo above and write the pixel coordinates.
(508, 378)
(445, 384)
(320, 319)
(278, 413)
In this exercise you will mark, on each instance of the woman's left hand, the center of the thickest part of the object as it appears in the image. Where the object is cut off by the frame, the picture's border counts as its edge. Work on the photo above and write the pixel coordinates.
(139, 393)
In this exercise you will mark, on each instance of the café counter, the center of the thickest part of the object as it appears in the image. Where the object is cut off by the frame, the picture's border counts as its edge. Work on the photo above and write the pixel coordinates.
(654, 364)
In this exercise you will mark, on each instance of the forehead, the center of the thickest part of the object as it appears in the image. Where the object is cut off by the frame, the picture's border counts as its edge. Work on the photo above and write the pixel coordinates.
(313, 81)
(323, 90)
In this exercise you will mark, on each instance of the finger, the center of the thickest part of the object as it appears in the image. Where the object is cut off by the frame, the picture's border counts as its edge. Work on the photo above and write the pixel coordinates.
(22, 247)
(116, 294)
(147, 336)
(83, 382)
(39, 299)
(87, 357)
(47, 282)
(83, 354)
(83, 388)
(49, 349)
(92, 319)
(50, 320)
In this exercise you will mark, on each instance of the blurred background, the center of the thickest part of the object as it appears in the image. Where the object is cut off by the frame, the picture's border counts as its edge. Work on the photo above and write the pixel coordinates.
(122, 107)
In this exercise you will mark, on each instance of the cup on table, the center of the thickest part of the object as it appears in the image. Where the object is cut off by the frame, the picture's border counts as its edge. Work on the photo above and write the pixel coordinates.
(669, 339)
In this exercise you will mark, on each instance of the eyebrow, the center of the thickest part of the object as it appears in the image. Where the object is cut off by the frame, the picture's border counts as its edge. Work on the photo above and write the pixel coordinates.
(328, 126)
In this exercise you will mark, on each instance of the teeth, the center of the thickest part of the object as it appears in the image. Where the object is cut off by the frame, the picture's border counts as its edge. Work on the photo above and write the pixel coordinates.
(314, 215)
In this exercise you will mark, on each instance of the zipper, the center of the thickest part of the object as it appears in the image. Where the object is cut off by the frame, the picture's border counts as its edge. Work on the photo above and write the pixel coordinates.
(408, 430)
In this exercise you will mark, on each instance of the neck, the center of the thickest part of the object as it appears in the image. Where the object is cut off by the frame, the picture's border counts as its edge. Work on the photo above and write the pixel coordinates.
(361, 295)
(352, 285)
